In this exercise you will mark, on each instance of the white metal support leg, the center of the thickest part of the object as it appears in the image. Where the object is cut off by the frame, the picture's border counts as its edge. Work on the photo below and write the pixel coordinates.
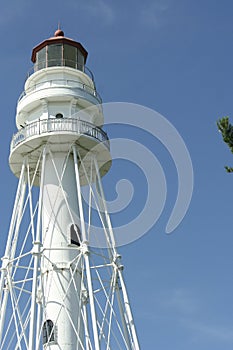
(8, 252)
(86, 254)
(128, 312)
(36, 253)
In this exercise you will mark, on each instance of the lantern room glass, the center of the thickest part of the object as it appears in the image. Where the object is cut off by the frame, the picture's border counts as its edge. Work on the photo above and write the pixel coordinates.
(54, 55)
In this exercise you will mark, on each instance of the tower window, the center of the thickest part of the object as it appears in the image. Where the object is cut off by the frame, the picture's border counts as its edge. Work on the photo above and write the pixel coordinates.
(75, 234)
(48, 332)
(70, 56)
(54, 55)
(41, 59)
(59, 115)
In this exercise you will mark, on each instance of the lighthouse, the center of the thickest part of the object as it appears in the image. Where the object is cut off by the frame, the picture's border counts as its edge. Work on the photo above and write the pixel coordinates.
(58, 290)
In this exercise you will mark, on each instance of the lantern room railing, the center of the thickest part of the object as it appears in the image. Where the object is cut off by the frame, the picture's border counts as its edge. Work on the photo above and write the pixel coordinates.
(60, 62)
(66, 83)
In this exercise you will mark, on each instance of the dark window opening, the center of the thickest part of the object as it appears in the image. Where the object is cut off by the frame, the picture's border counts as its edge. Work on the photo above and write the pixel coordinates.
(75, 235)
(48, 332)
(59, 115)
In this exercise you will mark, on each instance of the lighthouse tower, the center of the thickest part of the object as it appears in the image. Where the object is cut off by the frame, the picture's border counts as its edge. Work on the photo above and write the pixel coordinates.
(61, 285)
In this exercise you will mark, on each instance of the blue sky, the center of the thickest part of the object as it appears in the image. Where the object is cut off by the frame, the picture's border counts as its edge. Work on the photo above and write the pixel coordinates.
(173, 56)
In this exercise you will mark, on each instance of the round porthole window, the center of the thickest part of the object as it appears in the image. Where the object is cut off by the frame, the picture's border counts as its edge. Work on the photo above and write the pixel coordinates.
(59, 115)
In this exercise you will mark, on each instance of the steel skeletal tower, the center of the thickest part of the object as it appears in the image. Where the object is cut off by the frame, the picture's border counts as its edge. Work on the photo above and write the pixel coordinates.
(58, 291)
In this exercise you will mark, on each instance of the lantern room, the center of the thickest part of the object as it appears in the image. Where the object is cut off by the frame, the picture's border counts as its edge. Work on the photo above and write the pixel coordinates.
(59, 51)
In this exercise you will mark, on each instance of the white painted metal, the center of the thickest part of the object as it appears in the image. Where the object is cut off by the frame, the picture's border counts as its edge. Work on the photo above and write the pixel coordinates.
(47, 277)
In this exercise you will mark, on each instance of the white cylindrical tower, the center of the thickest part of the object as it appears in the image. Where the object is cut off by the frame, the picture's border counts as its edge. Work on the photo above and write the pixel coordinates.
(55, 290)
